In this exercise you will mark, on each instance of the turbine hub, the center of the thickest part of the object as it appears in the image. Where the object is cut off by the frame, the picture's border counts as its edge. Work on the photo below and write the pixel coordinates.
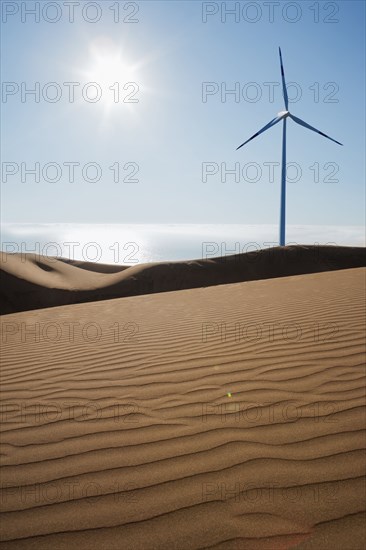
(283, 113)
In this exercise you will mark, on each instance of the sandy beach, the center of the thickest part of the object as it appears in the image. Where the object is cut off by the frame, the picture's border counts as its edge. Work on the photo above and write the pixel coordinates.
(227, 416)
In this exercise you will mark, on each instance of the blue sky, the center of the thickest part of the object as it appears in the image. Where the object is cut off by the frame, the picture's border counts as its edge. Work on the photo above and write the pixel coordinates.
(170, 132)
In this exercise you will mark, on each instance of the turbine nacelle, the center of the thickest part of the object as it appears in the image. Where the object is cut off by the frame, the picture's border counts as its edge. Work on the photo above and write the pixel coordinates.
(283, 114)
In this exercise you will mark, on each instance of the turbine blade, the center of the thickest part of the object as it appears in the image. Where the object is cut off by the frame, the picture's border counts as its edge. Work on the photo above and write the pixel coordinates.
(266, 127)
(302, 123)
(284, 89)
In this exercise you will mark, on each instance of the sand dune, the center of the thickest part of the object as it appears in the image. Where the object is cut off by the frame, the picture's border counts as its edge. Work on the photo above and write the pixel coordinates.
(32, 282)
(229, 417)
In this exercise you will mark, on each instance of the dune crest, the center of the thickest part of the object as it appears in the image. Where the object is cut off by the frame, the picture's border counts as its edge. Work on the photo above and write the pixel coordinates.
(33, 282)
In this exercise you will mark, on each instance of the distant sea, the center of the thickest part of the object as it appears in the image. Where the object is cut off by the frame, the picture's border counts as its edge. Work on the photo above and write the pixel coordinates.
(132, 244)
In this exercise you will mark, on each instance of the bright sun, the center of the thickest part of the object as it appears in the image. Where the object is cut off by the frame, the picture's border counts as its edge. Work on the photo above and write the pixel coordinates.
(115, 79)
(108, 68)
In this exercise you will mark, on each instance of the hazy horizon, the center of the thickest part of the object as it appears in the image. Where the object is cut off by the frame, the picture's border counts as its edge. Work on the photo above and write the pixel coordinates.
(139, 243)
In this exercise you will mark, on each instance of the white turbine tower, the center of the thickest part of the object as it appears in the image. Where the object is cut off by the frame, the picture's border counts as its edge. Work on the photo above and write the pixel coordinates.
(282, 115)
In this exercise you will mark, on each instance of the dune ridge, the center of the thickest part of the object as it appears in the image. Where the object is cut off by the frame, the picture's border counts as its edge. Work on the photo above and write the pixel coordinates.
(32, 282)
(228, 417)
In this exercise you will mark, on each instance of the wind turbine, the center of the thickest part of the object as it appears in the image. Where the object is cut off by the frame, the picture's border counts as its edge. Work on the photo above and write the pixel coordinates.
(283, 115)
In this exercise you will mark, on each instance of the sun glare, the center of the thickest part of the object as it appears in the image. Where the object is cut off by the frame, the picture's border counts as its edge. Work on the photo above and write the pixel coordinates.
(112, 79)
(110, 68)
